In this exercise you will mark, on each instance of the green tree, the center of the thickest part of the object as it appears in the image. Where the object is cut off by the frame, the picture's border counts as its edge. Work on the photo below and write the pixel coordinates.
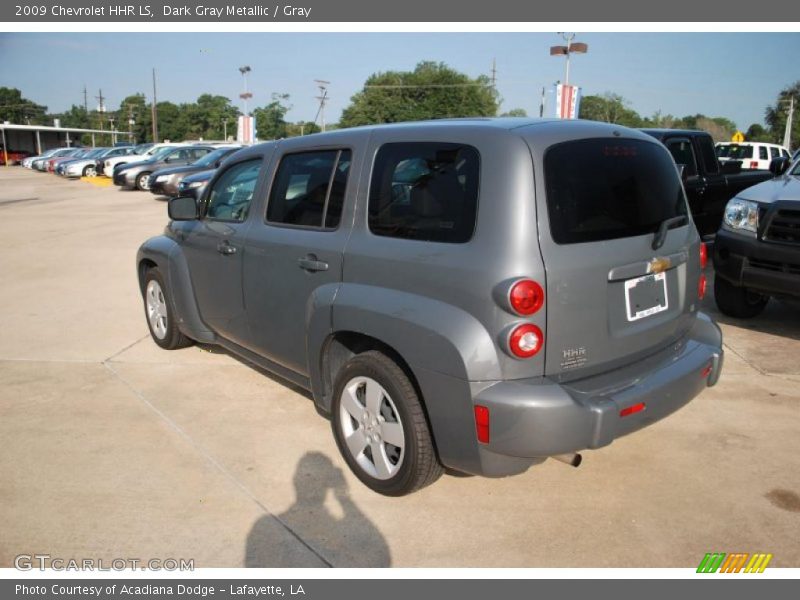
(431, 91)
(757, 133)
(136, 107)
(610, 108)
(204, 119)
(19, 110)
(271, 119)
(775, 115)
(515, 112)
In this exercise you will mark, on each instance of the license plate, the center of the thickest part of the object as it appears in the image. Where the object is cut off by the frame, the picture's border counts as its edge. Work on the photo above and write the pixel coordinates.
(645, 296)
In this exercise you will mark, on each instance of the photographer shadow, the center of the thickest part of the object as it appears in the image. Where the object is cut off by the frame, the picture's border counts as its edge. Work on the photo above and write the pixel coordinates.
(349, 540)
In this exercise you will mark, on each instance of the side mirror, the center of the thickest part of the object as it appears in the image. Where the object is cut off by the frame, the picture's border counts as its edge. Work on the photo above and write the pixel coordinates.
(778, 166)
(182, 208)
(217, 164)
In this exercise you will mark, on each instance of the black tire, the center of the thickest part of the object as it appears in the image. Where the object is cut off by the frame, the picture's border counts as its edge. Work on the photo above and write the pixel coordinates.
(163, 329)
(738, 302)
(141, 182)
(417, 465)
(89, 169)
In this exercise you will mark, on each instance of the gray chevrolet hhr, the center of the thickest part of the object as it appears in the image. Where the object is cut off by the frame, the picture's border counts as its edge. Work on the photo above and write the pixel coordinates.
(477, 294)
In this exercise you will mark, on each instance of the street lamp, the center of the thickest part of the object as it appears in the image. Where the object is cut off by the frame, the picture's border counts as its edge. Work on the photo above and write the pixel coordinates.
(245, 95)
(570, 48)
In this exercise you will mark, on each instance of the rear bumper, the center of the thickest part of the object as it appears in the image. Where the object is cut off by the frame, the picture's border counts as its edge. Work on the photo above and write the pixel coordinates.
(531, 419)
(769, 268)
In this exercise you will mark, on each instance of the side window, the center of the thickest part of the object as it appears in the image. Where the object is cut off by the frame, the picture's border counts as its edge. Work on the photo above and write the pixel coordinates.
(706, 146)
(762, 153)
(309, 189)
(425, 191)
(229, 199)
(197, 153)
(683, 154)
(774, 152)
(784, 153)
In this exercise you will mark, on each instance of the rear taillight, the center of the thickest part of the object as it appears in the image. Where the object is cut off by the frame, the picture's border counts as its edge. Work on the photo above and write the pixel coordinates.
(701, 286)
(482, 424)
(525, 340)
(753, 164)
(526, 297)
(702, 282)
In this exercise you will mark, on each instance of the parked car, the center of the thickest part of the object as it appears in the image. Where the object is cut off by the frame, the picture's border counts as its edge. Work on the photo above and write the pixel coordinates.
(757, 249)
(40, 164)
(28, 162)
(194, 185)
(445, 307)
(141, 152)
(75, 166)
(136, 175)
(122, 153)
(12, 157)
(53, 162)
(753, 155)
(708, 184)
(165, 182)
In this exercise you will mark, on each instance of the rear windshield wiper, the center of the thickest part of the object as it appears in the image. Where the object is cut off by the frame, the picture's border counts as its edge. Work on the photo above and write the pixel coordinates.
(661, 234)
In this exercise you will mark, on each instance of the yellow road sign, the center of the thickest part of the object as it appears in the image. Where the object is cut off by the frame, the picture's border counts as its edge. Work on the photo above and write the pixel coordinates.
(737, 137)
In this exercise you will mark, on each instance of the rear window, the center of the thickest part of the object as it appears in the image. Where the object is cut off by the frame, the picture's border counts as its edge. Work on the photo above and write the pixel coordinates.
(604, 189)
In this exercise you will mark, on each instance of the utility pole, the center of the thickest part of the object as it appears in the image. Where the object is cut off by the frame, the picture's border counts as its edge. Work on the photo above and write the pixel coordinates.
(787, 135)
(541, 104)
(155, 110)
(323, 98)
(225, 129)
(85, 100)
(131, 122)
(494, 73)
(101, 107)
(245, 95)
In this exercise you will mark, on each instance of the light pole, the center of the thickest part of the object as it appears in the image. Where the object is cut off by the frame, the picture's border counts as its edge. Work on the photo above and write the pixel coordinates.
(570, 48)
(245, 95)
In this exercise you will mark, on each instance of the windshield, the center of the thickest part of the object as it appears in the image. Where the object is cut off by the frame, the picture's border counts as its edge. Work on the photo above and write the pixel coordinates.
(723, 151)
(158, 154)
(603, 189)
(142, 148)
(209, 159)
(796, 170)
(96, 152)
(741, 152)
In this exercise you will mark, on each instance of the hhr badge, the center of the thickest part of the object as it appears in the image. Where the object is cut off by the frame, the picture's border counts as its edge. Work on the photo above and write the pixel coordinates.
(573, 358)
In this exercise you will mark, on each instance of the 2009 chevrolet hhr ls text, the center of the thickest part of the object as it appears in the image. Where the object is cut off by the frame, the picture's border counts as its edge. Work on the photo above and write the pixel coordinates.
(476, 294)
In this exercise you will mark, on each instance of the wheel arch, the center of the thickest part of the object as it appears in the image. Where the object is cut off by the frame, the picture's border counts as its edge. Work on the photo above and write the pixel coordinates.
(164, 253)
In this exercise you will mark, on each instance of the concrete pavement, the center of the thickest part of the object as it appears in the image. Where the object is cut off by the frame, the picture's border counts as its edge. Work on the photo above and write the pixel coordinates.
(113, 448)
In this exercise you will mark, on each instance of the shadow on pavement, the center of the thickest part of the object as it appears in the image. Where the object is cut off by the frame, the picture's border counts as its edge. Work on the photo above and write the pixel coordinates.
(780, 317)
(349, 540)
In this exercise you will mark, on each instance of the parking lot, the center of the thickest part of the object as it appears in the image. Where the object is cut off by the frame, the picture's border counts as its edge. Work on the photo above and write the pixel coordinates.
(113, 448)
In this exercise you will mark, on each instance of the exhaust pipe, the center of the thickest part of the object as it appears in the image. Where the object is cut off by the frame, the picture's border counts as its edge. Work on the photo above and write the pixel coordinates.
(573, 460)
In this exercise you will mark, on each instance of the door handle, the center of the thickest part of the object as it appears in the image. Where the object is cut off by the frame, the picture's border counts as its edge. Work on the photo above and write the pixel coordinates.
(310, 263)
(225, 248)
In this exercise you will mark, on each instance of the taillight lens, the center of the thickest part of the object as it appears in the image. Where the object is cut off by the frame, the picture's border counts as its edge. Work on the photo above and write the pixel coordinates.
(526, 340)
(482, 424)
(701, 286)
(703, 255)
(526, 297)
